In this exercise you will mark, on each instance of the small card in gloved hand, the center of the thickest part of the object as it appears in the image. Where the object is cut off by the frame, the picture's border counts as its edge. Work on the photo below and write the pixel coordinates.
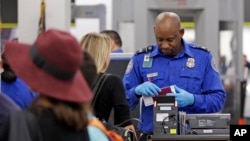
(165, 90)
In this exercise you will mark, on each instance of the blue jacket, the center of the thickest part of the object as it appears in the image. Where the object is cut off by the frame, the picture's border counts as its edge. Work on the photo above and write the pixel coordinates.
(19, 92)
(201, 78)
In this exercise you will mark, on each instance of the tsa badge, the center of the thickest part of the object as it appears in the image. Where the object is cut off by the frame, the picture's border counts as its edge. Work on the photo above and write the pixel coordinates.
(129, 67)
(190, 63)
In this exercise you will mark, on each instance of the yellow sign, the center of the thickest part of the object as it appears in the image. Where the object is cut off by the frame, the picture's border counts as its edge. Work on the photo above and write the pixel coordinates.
(173, 131)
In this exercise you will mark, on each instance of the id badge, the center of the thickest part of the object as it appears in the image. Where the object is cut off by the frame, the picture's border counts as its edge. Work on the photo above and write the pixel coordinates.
(147, 62)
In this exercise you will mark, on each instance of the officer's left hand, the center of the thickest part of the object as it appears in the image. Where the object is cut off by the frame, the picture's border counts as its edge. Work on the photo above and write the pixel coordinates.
(182, 97)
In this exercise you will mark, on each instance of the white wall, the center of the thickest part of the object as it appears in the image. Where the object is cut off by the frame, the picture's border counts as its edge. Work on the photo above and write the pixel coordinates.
(29, 14)
(246, 42)
(225, 43)
(84, 26)
(225, 39)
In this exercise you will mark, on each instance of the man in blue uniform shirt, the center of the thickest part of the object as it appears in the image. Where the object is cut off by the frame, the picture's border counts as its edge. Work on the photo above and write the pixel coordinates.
(172, 61)
(116, 40)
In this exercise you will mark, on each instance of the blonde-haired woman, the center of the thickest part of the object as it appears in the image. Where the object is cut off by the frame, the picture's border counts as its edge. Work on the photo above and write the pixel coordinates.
(112, 93)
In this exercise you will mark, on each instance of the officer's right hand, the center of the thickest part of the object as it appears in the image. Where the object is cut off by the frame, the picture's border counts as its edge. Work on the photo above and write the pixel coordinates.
(147, 89)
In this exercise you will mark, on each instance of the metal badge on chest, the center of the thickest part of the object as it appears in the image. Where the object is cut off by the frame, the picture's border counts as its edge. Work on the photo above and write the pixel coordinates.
(190, 63)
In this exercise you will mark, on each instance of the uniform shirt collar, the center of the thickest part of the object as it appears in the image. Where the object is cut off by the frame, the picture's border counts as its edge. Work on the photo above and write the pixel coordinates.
(155, 51)
(186, 50)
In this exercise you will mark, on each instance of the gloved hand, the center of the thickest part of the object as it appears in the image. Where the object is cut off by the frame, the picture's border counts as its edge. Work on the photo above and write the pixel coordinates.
(182, 97)
(147, 89)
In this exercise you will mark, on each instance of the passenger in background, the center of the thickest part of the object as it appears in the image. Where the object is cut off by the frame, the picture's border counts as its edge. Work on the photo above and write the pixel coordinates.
(15, 88)
(246, 63)
(116, 40)
(61, 112)
(223, 65)
(229, 85)
(112, 93)
(244, 83)
(173, 61)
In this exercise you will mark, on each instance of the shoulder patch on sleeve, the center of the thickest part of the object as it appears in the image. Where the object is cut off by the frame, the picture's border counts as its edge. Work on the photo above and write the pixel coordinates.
(129, 67)
(203, 48)
(144, 50)
(213, 64)
(199, 47)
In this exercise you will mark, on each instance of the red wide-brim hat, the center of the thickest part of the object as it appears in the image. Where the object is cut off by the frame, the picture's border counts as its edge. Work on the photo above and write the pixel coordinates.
(60, 50)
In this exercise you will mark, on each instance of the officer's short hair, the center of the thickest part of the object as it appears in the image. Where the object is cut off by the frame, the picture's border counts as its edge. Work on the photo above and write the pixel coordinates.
(114, 36)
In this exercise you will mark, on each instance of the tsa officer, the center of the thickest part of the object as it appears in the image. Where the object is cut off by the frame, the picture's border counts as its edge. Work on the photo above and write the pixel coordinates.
(173, 61)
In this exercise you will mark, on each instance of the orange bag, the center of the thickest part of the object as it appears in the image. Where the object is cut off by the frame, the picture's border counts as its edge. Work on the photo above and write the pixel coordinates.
(112, 135)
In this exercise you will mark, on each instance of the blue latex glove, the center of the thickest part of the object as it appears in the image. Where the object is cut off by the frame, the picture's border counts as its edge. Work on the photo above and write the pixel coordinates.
(147, 89)
(182, 97)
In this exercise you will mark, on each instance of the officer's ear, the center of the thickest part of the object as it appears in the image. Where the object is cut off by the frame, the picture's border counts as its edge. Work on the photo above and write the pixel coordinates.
(181, 32)
(154, 28)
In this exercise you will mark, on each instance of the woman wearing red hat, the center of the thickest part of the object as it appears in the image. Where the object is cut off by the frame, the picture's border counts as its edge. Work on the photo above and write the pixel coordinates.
(51, 66)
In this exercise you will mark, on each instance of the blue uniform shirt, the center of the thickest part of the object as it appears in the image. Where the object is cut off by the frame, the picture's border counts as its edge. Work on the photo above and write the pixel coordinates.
(197, 75)
(117, 51)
